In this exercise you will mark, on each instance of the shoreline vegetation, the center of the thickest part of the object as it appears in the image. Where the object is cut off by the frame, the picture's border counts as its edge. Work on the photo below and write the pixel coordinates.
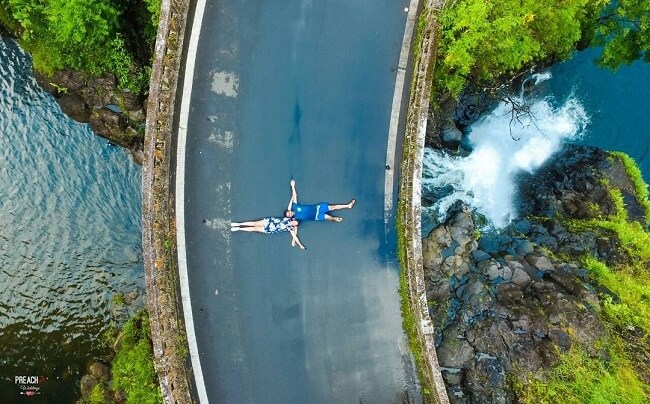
(93, 56)
(91, 37)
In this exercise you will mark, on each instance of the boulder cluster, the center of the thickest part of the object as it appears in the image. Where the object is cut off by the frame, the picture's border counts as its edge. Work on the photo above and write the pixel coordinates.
(117, 115)
(506, 304)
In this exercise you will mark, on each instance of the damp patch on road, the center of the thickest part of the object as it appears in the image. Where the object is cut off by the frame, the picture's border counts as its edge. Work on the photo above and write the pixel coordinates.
(224, 139)
(222, 225)
(225, 83)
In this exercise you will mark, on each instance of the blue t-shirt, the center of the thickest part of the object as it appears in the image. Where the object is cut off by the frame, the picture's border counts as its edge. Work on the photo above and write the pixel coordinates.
(309, 212)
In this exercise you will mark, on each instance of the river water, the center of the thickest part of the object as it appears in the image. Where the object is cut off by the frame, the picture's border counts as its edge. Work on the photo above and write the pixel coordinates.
(574, 102)
(70, 238)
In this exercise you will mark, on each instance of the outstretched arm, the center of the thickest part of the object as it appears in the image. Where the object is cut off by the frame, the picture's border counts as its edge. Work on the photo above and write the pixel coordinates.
(295, 240)
(294, 195)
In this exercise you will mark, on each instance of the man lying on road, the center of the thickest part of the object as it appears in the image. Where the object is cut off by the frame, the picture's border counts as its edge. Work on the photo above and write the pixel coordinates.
(316, 212)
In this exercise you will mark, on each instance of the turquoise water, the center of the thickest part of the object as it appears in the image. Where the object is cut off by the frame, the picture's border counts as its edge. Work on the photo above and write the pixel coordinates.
(617, 104)
(572, 102)
(70, 238)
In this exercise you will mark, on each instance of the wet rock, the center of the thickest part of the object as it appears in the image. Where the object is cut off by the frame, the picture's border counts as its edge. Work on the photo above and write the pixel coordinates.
(85, 99)
(74, 106)
(100, 371)
(480, 255)
(86, 385)
(451, 135)
(540, 262)
(455, 353)
(108, 123)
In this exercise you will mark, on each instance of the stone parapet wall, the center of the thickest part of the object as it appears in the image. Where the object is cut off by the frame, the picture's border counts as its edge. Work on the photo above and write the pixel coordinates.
(411, 189)
(158, 217)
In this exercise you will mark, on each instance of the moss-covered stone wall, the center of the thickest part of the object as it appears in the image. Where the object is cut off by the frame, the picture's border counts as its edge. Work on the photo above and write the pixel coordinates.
(409, 205)
(158, 217)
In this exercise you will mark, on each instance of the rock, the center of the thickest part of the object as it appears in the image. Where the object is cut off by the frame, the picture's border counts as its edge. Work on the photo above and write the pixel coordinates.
(480, 255)
(452, 376)
(524, 247)
(99, 91)
(100, 371)
(560, 338)
(455, 353)
(108, 123)
(86, 385)
(520, 277)
(540, 262)
(498, 273)
(70, 80)
(73, 106)
(85, 99)
(127, 100)
(119, 396)
(451, 135)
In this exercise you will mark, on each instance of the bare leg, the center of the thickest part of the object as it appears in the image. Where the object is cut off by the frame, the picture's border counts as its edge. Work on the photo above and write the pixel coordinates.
(343, 206)
(252, 223)
(333, 218)
(259, 229)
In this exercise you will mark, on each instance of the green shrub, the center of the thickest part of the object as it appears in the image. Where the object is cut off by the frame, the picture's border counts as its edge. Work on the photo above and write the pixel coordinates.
(98, 394)
(85, 35)
(132, 369)
(483, 39)
(632, 287)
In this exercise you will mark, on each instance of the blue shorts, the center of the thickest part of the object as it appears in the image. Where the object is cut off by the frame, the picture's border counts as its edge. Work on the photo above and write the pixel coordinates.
(321, 209)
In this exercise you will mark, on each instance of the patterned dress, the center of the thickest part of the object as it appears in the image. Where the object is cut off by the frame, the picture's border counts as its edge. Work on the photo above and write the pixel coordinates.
(274, 225)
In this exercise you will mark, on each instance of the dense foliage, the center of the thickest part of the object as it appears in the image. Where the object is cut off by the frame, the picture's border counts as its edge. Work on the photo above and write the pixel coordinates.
(133, 369)
(482, 40)
(624, 30)
(91, 36)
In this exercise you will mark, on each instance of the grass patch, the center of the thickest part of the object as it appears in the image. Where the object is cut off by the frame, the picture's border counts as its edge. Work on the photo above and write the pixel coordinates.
(632, 308)
(409, 323)
(580, 378)
(98, 395)
(118, 300)
(132, 368)
(633, 171)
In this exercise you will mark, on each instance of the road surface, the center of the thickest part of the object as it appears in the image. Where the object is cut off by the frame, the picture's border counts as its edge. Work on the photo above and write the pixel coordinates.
(304, 90)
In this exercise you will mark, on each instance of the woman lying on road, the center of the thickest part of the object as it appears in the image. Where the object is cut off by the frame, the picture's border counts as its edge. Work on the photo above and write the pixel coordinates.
(317, 212)
(271, 225)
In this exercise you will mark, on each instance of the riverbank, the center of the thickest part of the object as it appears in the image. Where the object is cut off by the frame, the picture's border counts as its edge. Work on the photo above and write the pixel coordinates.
(558, 290)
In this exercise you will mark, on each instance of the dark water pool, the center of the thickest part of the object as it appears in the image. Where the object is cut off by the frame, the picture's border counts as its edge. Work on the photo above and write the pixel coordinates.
(70, 238)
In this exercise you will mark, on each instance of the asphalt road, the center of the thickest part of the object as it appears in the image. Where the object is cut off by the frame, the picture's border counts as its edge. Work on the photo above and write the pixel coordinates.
(295, 89)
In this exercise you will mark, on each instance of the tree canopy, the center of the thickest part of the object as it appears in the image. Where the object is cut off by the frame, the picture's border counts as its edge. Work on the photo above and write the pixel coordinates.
(482, 40)
(90, 36)
(624, 31)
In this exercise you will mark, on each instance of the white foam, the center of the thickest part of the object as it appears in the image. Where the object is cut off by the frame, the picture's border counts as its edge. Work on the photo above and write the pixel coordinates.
(502, 147)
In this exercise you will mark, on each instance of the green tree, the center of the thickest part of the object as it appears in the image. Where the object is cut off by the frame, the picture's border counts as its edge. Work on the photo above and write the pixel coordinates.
(83, 35)
(624, 31)
(483, 39)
